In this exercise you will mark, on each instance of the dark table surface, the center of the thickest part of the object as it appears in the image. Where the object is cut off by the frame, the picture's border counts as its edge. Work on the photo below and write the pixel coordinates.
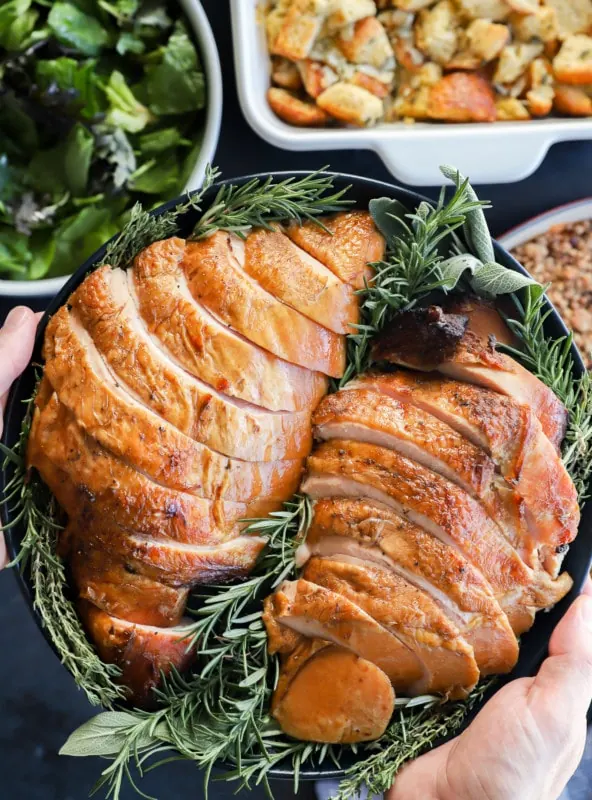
(39, 705)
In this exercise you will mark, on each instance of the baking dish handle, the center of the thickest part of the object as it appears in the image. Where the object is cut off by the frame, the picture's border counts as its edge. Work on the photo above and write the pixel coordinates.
(484, 159)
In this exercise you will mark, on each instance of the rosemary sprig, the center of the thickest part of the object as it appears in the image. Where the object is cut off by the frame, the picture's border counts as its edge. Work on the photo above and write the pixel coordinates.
(261, 202)
(32, 505)
(551, 361)
(411, 268)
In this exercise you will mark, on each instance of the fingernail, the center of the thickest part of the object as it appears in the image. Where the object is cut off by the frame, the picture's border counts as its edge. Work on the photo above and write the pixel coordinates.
(16, 318)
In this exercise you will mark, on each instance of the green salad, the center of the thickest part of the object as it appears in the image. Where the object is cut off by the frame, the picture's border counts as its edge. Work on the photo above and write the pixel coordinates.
(100, 106)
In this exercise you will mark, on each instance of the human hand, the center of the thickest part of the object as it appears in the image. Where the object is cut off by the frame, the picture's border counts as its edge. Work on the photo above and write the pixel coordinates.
(528, 740)
(16, 345)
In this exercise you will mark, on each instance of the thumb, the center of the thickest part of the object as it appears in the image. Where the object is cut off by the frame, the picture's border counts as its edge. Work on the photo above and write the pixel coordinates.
(16, 344)
(565, 677)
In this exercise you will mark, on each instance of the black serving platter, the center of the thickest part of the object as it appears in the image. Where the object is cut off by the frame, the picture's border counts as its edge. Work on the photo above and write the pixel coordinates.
(578, 560)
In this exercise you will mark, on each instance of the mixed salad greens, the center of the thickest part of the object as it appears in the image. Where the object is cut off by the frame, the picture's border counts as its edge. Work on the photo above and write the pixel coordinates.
(100, 106)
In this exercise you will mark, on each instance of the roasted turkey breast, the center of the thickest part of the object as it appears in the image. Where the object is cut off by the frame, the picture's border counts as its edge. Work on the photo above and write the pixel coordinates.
(175, 405)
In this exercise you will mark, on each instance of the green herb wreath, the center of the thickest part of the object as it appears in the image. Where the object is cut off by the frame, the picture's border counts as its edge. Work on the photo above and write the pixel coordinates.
(218, 715)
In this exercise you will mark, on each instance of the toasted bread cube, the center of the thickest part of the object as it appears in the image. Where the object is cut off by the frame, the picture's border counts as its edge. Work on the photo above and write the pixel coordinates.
(352, 104)
(540, 100)
(396, 21)
(464, 59)
(411, 104)
(511, 109)
(316, 76)
(371, 84)
(514, 60)
(493, 10)
(541, 25)
(273, 23)
(297, 34)
(572, 100)
(487, 39)
(540, 73)
(524, 6)
(366, 42)
(573, 63)
(573, 16)
(345, 12)
(407, 55)
(462, 97)
(295, 111)
(285, 73)
(437, 32)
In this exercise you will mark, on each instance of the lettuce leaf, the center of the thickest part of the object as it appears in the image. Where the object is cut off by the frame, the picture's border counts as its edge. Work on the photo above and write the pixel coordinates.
(125, 111)
(176, 85)
(79, 76)
(73, 28)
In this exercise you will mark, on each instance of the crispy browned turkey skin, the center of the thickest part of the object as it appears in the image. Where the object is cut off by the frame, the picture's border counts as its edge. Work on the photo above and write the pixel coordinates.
(175, 404)
(441, 514)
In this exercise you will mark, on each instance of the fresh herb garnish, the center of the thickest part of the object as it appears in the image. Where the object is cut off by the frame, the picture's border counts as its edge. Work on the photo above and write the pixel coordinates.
(97, 100)
(220, 712)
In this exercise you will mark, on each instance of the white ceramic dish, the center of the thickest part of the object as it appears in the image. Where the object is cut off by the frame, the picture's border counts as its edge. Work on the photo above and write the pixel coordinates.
(577, 211)
(208, 52)
(501, 152)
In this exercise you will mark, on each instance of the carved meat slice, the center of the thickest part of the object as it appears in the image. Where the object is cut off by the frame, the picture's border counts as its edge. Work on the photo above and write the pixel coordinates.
(83, 476)
(373, 532)
(409, 613)
(299, 280)
(148, 443)
(106, 309)
(144, 653)
(216, 279)
(513, 437)
(354, 705)
(305, 609)
(342, 468)
(428, 339)
(114, 587)
(208, 349)
(352, 244)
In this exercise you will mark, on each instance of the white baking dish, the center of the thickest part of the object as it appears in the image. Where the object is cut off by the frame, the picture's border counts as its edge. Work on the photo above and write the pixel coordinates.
(500, 152)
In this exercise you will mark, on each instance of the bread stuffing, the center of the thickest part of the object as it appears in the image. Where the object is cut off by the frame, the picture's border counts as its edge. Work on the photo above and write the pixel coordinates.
(356, 62)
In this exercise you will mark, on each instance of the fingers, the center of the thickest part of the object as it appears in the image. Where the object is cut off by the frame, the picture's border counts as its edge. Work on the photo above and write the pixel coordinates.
(17, 337)
(16, 345)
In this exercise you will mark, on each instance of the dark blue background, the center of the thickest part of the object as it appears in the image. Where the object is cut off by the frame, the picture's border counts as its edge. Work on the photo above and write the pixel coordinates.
(39, 705)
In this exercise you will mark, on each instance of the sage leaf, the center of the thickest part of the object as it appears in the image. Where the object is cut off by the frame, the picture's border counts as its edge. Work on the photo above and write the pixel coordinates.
(103, 735)
(453, 268)
(389, 217)
(494, 279)
(475, 228)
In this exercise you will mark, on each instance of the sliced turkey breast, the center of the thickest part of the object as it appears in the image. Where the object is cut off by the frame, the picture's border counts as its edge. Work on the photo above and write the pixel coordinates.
(429, 339)
(409, 613)
(116, 588)
(83, 477)
(354, 705)
(373, 532)
(106, 309)
(172, 563)
(366, 416)
(513, 437)
(316, 612)
(131, 431)
(144, 653)
(299, 280)
(216, 279)
(208, 349)
(343, 468)
(351, 244)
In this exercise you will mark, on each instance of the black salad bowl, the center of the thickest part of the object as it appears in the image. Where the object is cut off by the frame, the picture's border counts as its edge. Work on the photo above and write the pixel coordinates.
(577, 561)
